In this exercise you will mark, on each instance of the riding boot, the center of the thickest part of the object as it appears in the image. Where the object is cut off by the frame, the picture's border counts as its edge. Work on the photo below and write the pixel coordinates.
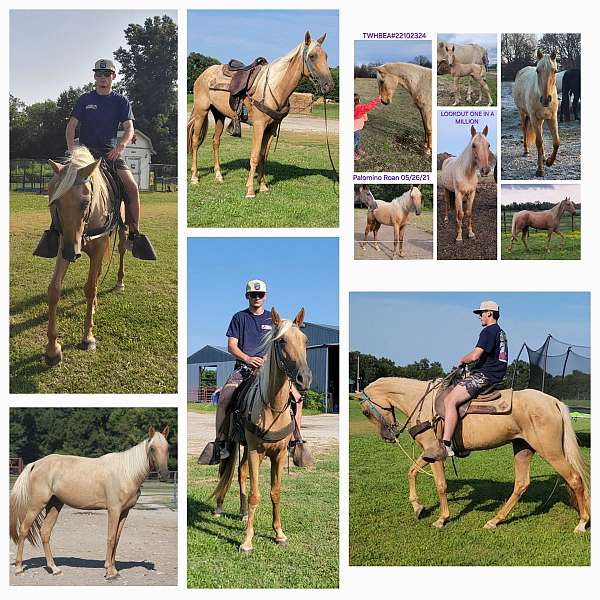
(435, 452)
(234, 129)
(214, 453)
(301, 455)
(48, 245)
(140, 246)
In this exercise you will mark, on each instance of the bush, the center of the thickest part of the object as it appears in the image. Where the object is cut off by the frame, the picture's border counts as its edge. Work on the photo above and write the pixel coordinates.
(314, 401)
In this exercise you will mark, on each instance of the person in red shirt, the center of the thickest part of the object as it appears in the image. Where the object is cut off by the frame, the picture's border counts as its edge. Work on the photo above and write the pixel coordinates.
(360, 118)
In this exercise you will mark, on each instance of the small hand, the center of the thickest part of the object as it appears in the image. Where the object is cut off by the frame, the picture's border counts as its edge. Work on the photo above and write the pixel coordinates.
(115, 152)
(255, 361)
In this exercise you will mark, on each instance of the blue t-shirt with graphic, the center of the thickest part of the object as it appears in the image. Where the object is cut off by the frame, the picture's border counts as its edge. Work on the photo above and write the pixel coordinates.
(99, 117)
(494, 360)
(249, 330)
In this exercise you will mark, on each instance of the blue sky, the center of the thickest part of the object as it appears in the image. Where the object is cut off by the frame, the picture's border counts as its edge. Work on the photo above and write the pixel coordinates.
(298, 272)
(246, 34)
(51, 50)
(487, 40)
(406, 327)
(385, 51)
(453, 138)
(540, 192)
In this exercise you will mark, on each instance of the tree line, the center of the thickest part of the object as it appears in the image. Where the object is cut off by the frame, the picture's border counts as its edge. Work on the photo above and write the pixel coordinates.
(537, 205)
(148, 77)
(91, 432)
(197, 63)
(367, 71)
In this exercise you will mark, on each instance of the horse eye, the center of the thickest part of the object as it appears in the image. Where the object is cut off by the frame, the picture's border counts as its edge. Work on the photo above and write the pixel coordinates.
(312, 55)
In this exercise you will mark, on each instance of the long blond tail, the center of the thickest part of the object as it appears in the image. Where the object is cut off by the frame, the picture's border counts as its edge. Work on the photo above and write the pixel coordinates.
(19, 504)
(190, 130)
(226, 471)
(573, 453)
(529, 132)
(514, 225)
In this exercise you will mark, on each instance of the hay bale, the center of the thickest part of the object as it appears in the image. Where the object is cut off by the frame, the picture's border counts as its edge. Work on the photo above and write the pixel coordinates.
(301, 103)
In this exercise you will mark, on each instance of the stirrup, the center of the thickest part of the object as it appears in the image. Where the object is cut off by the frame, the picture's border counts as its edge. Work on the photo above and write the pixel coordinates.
(234, 129)
(210, 455)
(48, 245)
(141, 247)
(301, 455)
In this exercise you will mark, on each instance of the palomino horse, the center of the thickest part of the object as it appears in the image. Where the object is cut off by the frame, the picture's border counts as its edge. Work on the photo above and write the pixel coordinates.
(477, 72)
(87, 211)
(459, 178)
(268, 423)
(463, 54)
(395, 213)
(416, 80)
(535, 96)
(540, 219)
(270, 91)
(111, 482)
(537, 423)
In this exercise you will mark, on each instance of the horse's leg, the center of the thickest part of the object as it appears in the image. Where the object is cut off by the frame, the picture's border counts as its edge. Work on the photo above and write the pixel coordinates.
(441, 487)
(111, 537)
(412, 485)
(401, 241)
(26, 524)
(52, 510)
(484, 87)
(264, 153)
(120, 526)
(457, 92)
(426, 119)
(363, 244)
(254, 460)
(375, 231)
(548, 240)
(446, 205)
(258, 131)
(396, 239)
(202, 115)
(120, 285)
(53, 349)
(524, 238)
(523, 454)
(539, 144)
(277, 465)
(458, 211)
(469, 89)
(91, 289)
(524, 127)
(469, 214)
(219, 126)
(243, 481)
(562, 238)
(553, 125)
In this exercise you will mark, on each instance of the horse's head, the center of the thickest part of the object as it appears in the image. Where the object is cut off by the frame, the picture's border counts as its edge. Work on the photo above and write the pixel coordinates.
(480, 150)
(363, 194)
(158, 452)
(381, 413)
(546, 70)
(387, 84)
(445, 56)
(70, 195)
(289, 345)
(569, 205)
(315, 65)
(416, 198)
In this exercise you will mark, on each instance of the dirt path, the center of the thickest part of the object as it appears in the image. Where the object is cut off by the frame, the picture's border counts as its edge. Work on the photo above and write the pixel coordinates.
(418, 244)
(320, 431)
(517, 166)
(146, 555)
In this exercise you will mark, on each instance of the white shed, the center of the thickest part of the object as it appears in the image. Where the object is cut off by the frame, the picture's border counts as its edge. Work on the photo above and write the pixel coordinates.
(138, 157)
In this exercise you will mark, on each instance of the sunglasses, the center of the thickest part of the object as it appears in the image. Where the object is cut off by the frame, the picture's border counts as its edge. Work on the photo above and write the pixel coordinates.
(103, 73)
(256, 294)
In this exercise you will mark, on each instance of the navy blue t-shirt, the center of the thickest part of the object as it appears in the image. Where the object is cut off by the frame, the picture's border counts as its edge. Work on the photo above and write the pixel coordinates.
(99, 117)
(249, 330)
(494, 360)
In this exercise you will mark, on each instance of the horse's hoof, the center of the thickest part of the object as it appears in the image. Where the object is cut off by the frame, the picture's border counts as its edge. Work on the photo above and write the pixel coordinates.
(218, 512)
(194, 181)
(549, 162)
(52, 361)
(56, 572)
(491, 524)
(438, 524)
(458, 240)
(471, 236)
(88, 345)
(263, 190)
(119, 287)
(283, 542)
(244, 550)
(109, 577)
(446, 221)
(250, 196)
(418, 512)
(19, 571)
(219, 178)
(580, 528)
(539, 173)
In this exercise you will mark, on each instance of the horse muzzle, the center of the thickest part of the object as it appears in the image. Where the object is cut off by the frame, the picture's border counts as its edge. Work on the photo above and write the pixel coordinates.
(163, 476)
(545, 100)
(385, 102)
(303, 379)
(326, 85)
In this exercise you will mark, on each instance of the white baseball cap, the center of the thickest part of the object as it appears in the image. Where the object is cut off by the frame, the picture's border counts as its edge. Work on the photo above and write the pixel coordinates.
(256, 285)
(487, 305)
(105, 64)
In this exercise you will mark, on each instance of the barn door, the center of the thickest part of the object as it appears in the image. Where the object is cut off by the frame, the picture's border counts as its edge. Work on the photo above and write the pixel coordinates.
(135, 164)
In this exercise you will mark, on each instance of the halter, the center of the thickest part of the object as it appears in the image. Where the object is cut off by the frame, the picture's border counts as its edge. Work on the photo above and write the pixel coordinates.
(288, 371)
(311, 71)
(373, 406)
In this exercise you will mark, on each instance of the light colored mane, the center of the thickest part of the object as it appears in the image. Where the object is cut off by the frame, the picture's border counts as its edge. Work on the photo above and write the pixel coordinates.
(276, 70)
(82, 157)
(404, 202)
(133, 463)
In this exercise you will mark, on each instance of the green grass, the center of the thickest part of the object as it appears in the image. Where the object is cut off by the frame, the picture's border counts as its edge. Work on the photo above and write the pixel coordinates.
(445, 91)
(303, 191)
(393, 137)
(384, 531)
(537, 245)
(136, 331)
(309, 506)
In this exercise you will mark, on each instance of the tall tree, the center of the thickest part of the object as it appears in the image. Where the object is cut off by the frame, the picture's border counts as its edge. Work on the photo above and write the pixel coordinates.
(196, 64)
(149, 78)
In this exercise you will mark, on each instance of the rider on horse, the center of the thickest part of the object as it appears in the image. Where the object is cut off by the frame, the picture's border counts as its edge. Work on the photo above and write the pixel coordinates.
(98, 114)
(491, 356)
(245, 333)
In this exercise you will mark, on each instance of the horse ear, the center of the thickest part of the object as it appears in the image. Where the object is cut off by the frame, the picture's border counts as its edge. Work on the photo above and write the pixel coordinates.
(473, 131)
(322, 39)
(299, 318)
(275, 317)
(418, 186)
(56, 167)
(165, 432)
(540, 54)
(151, 433)
(86, 171)
(453, 46)
(485, 131)
(553, 55)
(307, 38)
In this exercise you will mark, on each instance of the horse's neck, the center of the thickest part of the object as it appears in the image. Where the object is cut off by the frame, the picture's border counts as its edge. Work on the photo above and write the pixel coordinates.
(289, 80)
(278, 389)
(135, 463)
(558, 210)
(413, 391)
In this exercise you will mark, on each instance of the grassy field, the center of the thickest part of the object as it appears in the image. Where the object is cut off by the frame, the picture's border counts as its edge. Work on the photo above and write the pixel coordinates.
(384, 531)
(136, 331)
(303, 189)
(445, 90)
(393, 137)
(537, 245)
(310, 519)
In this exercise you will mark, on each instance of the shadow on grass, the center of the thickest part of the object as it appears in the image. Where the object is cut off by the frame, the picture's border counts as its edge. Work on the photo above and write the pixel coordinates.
(71, 561)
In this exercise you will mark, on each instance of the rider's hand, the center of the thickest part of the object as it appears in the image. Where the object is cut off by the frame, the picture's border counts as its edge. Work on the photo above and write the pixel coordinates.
(115, 152)
(255, 361)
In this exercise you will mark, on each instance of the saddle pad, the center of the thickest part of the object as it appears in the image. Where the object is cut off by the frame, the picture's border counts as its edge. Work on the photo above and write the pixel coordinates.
(496, 402)
(215, 84)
